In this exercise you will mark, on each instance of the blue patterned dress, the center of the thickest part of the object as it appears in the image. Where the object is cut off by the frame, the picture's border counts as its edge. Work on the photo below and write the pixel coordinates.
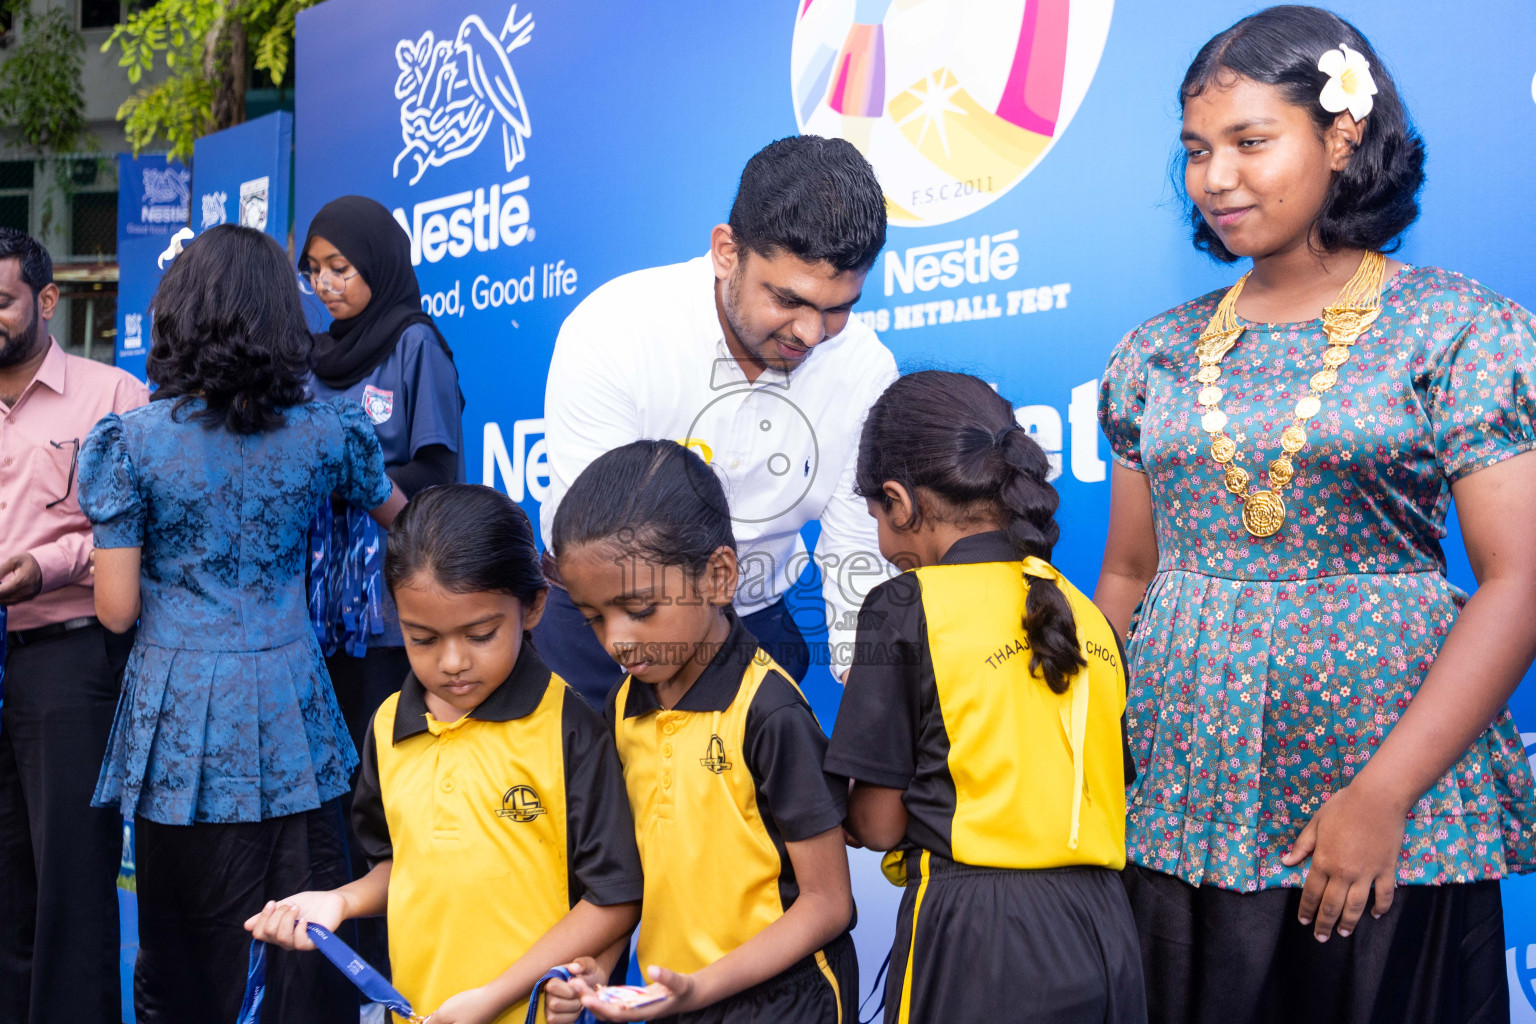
(227, 713)
(1266, 672)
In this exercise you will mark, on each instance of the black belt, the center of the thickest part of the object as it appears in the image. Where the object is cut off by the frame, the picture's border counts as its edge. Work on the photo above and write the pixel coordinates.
(22, 637)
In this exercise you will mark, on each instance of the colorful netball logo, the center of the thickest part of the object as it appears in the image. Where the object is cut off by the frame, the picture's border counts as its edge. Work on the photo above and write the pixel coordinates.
(953, 101)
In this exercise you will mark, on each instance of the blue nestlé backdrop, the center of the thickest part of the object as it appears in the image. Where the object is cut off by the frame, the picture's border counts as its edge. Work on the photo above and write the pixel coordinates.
(537, 150)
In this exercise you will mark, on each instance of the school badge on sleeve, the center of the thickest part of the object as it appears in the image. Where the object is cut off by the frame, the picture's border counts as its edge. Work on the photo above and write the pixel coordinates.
(378, 403)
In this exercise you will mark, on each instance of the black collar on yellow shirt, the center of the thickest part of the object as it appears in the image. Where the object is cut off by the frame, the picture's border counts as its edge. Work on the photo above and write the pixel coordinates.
(517, 697)
(992, 546)
(716, 686)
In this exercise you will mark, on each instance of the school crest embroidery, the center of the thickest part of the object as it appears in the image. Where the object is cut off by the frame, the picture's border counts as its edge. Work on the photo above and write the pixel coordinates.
(521, 804)
(715, 759)
(378, 403)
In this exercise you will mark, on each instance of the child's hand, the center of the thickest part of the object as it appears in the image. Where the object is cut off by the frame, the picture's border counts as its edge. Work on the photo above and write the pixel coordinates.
(1354, 841)
(283, 922)
(682, 991)
(472, 1006)
(562, 999)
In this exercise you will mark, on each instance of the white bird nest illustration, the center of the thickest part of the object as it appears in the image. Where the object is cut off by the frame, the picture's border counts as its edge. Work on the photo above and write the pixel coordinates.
(452, 92)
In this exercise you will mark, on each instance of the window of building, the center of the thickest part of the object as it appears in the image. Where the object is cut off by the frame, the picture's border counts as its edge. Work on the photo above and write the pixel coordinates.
(100, 13)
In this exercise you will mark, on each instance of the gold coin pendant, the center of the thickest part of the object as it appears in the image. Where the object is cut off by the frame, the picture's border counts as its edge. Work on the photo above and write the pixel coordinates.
(1308, 407)
(1208, 374)
(1324, 379)
(1263, 513)
(1293, 439)
(1209, 396)
(1237, 479)
(1223, 448)
(1281, 472)
(1335, 357)
(1213, 421)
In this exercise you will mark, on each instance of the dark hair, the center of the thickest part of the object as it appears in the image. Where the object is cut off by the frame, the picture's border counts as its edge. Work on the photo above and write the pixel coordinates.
(36, 264)
(814, 198)
(953, 436)
(1375, 197)
(228, 327)
(654, 498)
(470, 539)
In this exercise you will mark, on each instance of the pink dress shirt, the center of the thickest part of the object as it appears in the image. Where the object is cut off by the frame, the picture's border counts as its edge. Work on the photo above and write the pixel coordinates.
(39, 436)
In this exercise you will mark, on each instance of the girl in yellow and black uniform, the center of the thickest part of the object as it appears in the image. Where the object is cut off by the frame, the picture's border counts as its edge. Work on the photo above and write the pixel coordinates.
(981, 727)
(747, 900)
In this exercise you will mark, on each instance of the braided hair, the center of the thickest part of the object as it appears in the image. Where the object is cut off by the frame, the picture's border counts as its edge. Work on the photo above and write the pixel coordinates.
(951, 435)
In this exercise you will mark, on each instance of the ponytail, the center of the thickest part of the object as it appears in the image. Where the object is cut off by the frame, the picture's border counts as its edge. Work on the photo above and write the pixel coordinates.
(953, 435)
(1030, 503)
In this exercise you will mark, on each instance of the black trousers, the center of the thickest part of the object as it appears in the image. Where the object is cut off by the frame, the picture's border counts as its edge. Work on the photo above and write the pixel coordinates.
(1213, 956)
(570, 648)
(361, 685)
(197, 885)
(59, 856)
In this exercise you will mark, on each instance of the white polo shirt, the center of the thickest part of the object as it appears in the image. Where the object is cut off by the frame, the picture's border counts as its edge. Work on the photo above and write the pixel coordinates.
(644, 356)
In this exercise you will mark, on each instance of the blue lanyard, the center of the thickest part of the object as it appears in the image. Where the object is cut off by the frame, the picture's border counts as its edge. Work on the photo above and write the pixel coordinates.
(368, 980)
(362, 974)
(538, 986)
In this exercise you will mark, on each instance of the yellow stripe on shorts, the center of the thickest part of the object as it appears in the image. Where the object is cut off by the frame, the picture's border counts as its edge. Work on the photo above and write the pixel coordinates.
(906, 979)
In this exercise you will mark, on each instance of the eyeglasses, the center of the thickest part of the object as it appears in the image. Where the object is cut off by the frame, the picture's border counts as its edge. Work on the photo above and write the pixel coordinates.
(74, 460)
(326, 280)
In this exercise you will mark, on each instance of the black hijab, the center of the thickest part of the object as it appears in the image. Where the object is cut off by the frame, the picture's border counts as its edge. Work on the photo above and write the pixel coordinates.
(372, 240)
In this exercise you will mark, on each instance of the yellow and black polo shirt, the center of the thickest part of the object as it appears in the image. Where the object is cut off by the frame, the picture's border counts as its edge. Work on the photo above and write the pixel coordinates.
(497, 824)
(718, 785)
(941, 703)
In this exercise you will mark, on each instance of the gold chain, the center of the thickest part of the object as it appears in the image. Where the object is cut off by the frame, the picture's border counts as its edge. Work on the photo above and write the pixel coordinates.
(1356, 308)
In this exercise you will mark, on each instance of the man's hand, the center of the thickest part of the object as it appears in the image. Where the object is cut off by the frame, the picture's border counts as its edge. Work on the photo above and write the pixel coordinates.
(21, 579)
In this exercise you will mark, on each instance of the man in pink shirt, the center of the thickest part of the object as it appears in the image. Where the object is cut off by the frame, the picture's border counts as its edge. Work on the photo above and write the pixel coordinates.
(58, 854)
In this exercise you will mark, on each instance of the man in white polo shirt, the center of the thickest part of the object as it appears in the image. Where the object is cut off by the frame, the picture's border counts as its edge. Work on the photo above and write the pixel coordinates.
(749, 356)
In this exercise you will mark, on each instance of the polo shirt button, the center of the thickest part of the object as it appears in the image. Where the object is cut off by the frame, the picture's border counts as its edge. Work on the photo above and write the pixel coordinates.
(735, 463)
(447, 785)
(669, 728)
(666, 750)
(666, 780)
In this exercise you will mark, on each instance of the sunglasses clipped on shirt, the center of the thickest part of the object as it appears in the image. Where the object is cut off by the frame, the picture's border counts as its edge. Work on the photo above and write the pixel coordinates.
(74, 460)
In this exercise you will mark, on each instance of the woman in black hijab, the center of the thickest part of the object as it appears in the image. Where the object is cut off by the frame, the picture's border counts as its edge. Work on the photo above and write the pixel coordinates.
(382, 351)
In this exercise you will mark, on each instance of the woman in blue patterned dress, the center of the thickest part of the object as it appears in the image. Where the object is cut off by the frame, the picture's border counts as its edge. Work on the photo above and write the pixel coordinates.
(228, 749)
(1330, 782)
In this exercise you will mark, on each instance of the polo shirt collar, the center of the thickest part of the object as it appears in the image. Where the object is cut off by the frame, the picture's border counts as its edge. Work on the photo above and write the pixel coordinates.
(517, 697)
(52, 371)
(716, 686)
(992, 546)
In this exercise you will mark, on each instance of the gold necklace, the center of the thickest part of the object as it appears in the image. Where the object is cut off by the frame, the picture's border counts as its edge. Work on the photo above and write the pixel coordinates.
(1356, 308)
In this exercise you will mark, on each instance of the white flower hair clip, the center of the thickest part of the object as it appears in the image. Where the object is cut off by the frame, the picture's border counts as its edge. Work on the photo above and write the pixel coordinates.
(178, 240)
(1350, 85)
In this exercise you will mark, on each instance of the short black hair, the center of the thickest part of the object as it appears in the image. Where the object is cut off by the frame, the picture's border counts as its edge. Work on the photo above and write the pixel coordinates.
(951, 435)
(470, 539)
(36, 264)
(228, 327)
(655, 499)
(1376, 197)
(814, 198)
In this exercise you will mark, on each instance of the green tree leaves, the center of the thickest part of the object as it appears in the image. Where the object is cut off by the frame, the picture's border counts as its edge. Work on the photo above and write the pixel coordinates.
(205, 47)
(41, 101)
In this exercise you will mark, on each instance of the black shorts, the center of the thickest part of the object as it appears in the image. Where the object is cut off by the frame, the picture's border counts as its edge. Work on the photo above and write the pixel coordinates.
(988, 944)
(821, 989)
